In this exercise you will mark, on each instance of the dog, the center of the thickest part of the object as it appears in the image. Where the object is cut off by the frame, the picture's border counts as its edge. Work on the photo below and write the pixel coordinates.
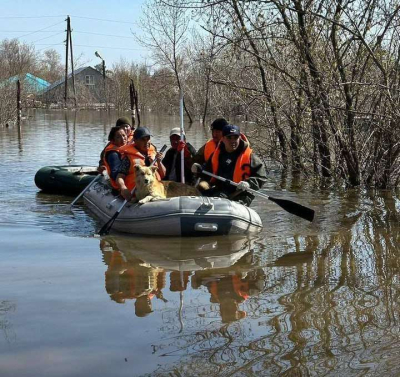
(149, 188)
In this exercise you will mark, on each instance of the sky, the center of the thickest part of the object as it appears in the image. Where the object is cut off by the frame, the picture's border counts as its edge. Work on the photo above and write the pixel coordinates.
(42, 23)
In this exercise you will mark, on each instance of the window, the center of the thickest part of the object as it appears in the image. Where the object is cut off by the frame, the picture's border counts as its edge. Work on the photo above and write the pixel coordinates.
(89, 80)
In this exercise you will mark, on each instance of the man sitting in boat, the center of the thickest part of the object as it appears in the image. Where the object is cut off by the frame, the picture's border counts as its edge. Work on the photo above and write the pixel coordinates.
(205, 152)
(234, 160)
(140, 152)
(111, 155)
(129, 130)
(172, 159)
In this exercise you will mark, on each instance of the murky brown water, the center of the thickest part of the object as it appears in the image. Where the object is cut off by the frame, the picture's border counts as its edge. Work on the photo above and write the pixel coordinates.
(298, 299)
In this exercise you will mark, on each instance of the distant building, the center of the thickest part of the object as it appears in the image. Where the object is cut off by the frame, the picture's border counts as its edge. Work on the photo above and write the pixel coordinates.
(30, 84)
(89, 88)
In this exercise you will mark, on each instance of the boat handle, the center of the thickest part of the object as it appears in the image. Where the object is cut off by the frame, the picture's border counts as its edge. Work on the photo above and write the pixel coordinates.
(206, 227)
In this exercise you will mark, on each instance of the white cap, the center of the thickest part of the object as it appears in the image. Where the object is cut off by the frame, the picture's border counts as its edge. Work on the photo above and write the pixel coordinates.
(175, 131)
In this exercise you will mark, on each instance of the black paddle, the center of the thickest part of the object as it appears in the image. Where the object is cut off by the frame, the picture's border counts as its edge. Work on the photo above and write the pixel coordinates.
(107, 226)
(289, 206)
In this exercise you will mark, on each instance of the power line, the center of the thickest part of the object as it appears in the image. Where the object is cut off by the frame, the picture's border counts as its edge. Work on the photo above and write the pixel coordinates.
(37, 31)
(10, 17)
(105, 35)
(50, 36)
(28, 31)
(102, 19)
(63, 31)
(48, 45)
(114, 48)
(75, 45)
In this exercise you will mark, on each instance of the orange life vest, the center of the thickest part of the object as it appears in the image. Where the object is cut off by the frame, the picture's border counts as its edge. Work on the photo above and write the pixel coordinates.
(209, 149)
(211, 146)
(135, 157)
(240, 287)
(110, 147)
(242, 168)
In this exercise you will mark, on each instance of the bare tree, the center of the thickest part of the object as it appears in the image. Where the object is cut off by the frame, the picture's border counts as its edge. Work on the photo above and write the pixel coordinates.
(16, 58)
(50, 67)
(165, 30)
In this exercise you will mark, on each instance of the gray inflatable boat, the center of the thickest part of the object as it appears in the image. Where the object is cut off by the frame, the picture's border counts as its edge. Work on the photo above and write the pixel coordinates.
(180, 216)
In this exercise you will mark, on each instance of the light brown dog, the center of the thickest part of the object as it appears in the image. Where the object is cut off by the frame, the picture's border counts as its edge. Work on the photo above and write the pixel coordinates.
(149, 188)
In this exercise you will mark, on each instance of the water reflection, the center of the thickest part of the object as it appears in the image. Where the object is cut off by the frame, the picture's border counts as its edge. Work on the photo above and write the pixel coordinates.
(230, 287)
(53, 213)
(305, 299)
(131, 278)
(326, 305)
(137, 269)
(70, 141)
(5, 326)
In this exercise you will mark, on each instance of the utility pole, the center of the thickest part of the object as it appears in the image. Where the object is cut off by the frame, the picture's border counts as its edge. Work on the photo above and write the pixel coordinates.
(72, 63)
(66, 60)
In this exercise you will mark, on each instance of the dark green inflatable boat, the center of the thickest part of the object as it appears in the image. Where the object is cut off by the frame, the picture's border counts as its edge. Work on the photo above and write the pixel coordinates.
(65, 180)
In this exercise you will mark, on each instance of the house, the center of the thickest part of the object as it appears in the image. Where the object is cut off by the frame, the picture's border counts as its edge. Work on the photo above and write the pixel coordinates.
(30, 84)
(90, 89)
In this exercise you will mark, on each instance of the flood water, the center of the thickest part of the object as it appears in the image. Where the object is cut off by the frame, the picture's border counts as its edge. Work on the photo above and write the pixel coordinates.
(298, 299)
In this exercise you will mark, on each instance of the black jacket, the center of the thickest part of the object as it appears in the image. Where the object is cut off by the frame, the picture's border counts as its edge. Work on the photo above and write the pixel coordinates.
(258, 175)
(172, 163)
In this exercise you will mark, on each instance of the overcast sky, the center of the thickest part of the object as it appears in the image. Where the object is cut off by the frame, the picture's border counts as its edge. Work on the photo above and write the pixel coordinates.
(42, 23)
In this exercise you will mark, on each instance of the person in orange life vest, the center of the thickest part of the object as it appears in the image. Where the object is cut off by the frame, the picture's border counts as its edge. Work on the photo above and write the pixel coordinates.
(179, 281)
(172, 159)
(140, 152)
(234, 160)
(228, 291)
(111, 155)
(205, 152)
(126, 123)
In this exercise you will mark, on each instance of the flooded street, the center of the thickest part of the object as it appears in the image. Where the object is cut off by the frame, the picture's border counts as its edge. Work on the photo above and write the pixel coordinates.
(298, 299)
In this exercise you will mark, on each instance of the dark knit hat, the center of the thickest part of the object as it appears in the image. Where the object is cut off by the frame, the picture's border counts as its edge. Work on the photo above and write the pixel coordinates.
(219, 124)
(122, 121)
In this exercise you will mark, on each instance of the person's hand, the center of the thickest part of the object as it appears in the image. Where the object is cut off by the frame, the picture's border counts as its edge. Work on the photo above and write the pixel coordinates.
(196, 168)
(183, 145)
(243, 186)
(101, 169)
(159, 156)
(126, 194)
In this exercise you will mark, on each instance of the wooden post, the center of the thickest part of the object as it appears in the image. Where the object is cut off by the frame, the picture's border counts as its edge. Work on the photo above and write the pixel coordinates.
(72, 64)
(18, 102)
(137, 105)
(104, 83)
(132, 100)
(66, 62)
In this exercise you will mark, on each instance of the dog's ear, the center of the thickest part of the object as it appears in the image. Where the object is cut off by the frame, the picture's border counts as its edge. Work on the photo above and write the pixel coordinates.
(154, 169)
(137, 167)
